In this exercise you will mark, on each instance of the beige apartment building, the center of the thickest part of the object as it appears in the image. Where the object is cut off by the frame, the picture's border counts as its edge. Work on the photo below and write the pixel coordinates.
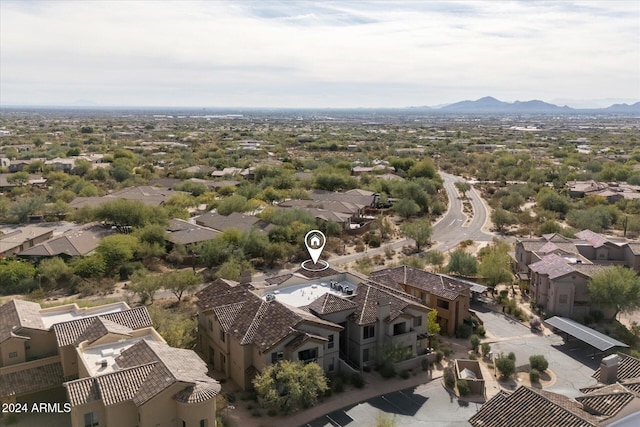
(109, 361)
(340, 320)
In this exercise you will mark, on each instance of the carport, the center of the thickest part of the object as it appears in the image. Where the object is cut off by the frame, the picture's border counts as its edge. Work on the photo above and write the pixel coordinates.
(595, 339)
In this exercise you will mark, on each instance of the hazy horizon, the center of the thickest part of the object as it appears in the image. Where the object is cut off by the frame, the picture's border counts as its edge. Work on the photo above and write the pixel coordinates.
(330, 54)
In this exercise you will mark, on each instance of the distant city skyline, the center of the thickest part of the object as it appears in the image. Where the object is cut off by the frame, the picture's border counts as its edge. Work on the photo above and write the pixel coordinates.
(335, 54)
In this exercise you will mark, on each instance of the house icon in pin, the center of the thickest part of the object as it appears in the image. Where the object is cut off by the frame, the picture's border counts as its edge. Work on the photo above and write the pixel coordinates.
(314, 241)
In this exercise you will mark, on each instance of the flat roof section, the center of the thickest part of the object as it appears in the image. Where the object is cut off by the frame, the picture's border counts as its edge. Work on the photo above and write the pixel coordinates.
(51, 316)
(101, 359)
(584, 333)
(306, 293)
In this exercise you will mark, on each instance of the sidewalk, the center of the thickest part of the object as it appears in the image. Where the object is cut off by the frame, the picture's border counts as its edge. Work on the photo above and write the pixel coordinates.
(375, 386)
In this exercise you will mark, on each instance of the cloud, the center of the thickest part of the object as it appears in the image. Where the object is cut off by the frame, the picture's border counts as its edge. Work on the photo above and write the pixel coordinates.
(349, 53)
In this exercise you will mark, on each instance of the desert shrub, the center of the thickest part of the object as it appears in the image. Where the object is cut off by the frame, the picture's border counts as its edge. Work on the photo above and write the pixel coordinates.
(475, 343)
(506, 366)
(439, 356)
(404, 374)
(486, 349)
(480, 331)
(449, 378)
(256, 413)
(357, 380)
(272, 412)
(463, 388)
(473, 356)
(538, 362)
(463, 331)
(512, 356)
(534, 376)
(387, 371)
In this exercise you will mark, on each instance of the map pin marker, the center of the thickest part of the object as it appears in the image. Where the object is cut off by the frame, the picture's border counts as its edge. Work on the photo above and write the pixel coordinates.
(314, 241)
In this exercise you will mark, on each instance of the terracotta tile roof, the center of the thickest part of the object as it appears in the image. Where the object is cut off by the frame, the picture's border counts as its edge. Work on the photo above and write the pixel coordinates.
(199, 393)
(330, 303)
(251, 319)
(18, 314)
(31, 380)
(526, 405)
(100, 327)
(635, 247)
(278, 279)
(370, 294)
(606, 401)
(67, 333)
(302, 338)
(596, 240)
(552, 265)
(628, 367)
(316, 274)
(111, 388)
(443, 286)
(175, 365)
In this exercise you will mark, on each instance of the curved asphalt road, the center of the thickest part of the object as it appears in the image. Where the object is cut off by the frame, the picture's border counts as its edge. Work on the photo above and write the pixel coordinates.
(451, 229)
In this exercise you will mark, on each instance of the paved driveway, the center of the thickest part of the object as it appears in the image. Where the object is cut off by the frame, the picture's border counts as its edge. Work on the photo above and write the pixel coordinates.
(573, 363)
(429, 404)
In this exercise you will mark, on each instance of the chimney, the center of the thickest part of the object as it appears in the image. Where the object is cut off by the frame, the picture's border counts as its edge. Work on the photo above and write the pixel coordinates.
(384, 309)
(245, 277)
(609, 369)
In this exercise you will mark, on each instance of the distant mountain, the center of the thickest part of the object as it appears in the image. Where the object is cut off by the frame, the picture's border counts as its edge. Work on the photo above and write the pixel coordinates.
(489, 104)
(623, 108)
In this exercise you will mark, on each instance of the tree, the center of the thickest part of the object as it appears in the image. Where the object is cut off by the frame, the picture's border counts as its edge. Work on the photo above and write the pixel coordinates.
(617, 287)
(18, 178)
(55, 272)
(538, 362)
(179, 329)
(12, 274)
(424, 168)
(91, 266)
(463, 187)
(145, 285)
(436, 258)
(23, 207)
(406, 208)
(552, 201)
(506, 366)
(495, 267)
(117, 249)
(179, 282)
(419, 230)
(475, 342)
(462, 263)
(433, 327)
(125, 214)
(500, 218)
(289, 386)
(486, 349)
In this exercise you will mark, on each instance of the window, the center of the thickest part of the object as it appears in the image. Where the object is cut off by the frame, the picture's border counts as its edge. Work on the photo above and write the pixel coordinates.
(91, 420)
(277, 356)
(417, 321)
(210, 324)
(13, 354)
(442, 304)
(223, 362)
(399, 328)
(184, 423)
(309, 355)
(222, 335)
(330, 343)
(365, 355)
(204, 423)
(368, 332)
(563, 299)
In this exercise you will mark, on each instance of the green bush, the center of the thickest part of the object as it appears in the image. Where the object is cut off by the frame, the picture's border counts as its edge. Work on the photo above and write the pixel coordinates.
(475, 343)
(337, 384)
(534, 376)
(449, 378)
(272, 412)
(464, 331)
(486, 349)
(481, 331)
(506, 366)
(387, 371)
(473, 356)
(463, 388)
(512, 356)
(538, 363)
(404, 374)
(256, 413)
(439, 356)
(357, 380)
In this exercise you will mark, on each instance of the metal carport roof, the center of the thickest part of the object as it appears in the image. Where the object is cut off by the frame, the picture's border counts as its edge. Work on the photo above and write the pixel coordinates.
(584, 333)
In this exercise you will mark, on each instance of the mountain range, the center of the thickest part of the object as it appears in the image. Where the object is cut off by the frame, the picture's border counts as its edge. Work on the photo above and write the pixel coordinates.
(489, 104)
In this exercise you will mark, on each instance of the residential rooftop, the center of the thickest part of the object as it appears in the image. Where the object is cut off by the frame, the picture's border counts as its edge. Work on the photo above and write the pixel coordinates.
(66, 313)
(304, 294)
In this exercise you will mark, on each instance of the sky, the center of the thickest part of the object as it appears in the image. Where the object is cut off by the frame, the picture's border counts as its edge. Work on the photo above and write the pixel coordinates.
(316, 54)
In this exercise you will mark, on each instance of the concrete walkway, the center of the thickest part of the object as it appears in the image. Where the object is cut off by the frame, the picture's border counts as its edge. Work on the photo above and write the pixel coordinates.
(375, 386)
